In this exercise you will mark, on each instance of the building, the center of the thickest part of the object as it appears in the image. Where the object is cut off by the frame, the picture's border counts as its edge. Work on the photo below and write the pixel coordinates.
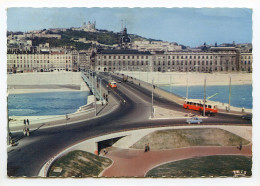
(214, 59)
(246, 61)
(40, 62)
(117, 60)
(87, 27)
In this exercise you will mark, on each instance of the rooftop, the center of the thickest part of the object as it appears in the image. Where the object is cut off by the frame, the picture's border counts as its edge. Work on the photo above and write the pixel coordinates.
(124, 52)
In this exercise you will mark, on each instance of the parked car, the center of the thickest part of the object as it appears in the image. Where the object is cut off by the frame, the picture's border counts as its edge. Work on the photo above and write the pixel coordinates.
(247, 117)
(194, 120)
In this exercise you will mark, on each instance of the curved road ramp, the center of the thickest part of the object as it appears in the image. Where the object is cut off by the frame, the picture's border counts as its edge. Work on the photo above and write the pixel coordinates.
(177, 152)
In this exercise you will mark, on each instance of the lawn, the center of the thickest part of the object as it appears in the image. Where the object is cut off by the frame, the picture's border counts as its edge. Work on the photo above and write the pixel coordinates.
(209, 166)
(179, 138)
(79, 164)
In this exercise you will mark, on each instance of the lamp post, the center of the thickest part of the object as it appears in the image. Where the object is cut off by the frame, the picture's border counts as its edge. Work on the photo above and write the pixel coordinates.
(204, 99)
(229, 98)
(187, 89)
(100, 81)
(152, 110)
(95, 98)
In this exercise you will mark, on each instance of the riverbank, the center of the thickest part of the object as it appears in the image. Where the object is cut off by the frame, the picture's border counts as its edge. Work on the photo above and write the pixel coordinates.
(45, 82)
(192, 78)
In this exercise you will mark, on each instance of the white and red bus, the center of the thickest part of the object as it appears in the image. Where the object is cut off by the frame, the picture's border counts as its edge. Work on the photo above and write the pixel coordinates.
(197, 104)
(112, 84)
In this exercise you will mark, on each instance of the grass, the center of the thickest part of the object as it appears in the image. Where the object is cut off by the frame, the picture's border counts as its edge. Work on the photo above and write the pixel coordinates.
(179, 138)
(209, 166)
(79, 164)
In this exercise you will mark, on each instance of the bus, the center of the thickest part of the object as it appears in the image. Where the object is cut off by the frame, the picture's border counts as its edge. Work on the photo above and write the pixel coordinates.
(197, 104)
(112, 84)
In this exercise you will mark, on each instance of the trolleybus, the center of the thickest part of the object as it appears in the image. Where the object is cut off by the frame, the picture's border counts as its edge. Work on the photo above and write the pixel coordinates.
(112, 84)
(197, 104)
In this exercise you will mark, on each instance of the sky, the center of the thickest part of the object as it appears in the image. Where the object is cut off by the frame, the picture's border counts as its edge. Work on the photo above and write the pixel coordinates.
(187, 26)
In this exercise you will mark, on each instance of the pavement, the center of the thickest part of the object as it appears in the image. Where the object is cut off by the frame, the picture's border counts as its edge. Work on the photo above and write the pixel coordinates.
(136, 163)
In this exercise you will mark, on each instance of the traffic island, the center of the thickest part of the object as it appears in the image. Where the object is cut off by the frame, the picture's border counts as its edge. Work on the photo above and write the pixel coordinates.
(210, 166)
(79, 164)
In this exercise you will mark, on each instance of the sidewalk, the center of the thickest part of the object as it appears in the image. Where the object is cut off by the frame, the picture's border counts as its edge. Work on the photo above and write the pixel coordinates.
(136, 163)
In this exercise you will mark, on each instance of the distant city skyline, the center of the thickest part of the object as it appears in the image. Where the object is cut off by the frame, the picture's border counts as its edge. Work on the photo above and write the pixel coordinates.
(187, 26)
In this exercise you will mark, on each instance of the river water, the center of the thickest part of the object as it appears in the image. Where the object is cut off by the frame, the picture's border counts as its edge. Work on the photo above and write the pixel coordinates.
(241, 95)
(48, 103)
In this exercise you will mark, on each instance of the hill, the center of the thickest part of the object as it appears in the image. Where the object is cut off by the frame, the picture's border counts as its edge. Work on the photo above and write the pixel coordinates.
(67, 39)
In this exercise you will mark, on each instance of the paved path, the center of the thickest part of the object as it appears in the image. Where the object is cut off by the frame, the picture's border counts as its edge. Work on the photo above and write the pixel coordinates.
(136, 163)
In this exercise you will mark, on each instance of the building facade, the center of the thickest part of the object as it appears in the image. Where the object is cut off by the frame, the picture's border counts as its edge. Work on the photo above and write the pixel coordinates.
(215, 59)
(118, 60)
(39, 62)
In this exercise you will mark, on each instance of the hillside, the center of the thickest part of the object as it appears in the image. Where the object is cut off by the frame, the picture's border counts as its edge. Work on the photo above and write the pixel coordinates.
(104, 37)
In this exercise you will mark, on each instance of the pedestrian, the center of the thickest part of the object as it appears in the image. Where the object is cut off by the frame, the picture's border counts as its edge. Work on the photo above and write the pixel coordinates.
(27, 121)
(28, 132)
(24, 131)
(240, 146)
(24, 122)
(105, 151)
(145, 148)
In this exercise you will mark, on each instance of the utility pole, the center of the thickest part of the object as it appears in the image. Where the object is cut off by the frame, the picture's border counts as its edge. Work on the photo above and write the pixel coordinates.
(8, 127)
(229, 100)
(171, 83)
(95, 98)
(204, 100)
(152, 114)
(187, 89)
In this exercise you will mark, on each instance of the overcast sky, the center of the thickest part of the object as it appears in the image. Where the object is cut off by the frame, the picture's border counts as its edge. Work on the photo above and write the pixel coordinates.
(187, 26)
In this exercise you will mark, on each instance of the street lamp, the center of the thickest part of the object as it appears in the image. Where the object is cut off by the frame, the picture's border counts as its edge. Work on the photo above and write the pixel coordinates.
(152, 110)
(100, 81)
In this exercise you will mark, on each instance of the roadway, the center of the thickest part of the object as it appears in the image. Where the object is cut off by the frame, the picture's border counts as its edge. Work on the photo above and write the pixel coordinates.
(27, 158)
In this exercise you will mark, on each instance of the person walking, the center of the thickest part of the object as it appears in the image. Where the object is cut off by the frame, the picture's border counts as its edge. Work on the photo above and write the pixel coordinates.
(24, 122)
(240, 146)
(28, 132)
(24, 131)
(145, 148)
(28, 122)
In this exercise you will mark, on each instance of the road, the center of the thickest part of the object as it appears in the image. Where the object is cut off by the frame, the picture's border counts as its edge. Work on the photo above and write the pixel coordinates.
(27, 158)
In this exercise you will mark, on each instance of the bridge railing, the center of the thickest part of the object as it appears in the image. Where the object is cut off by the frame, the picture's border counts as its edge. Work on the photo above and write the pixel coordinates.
(92, 86)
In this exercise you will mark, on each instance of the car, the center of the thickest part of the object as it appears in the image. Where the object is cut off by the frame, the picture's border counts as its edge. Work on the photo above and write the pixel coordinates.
(247, 117)
(194, 120)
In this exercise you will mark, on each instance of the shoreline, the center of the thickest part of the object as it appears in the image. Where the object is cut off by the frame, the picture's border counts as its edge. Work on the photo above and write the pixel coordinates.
(32, 91)
(191, 78)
